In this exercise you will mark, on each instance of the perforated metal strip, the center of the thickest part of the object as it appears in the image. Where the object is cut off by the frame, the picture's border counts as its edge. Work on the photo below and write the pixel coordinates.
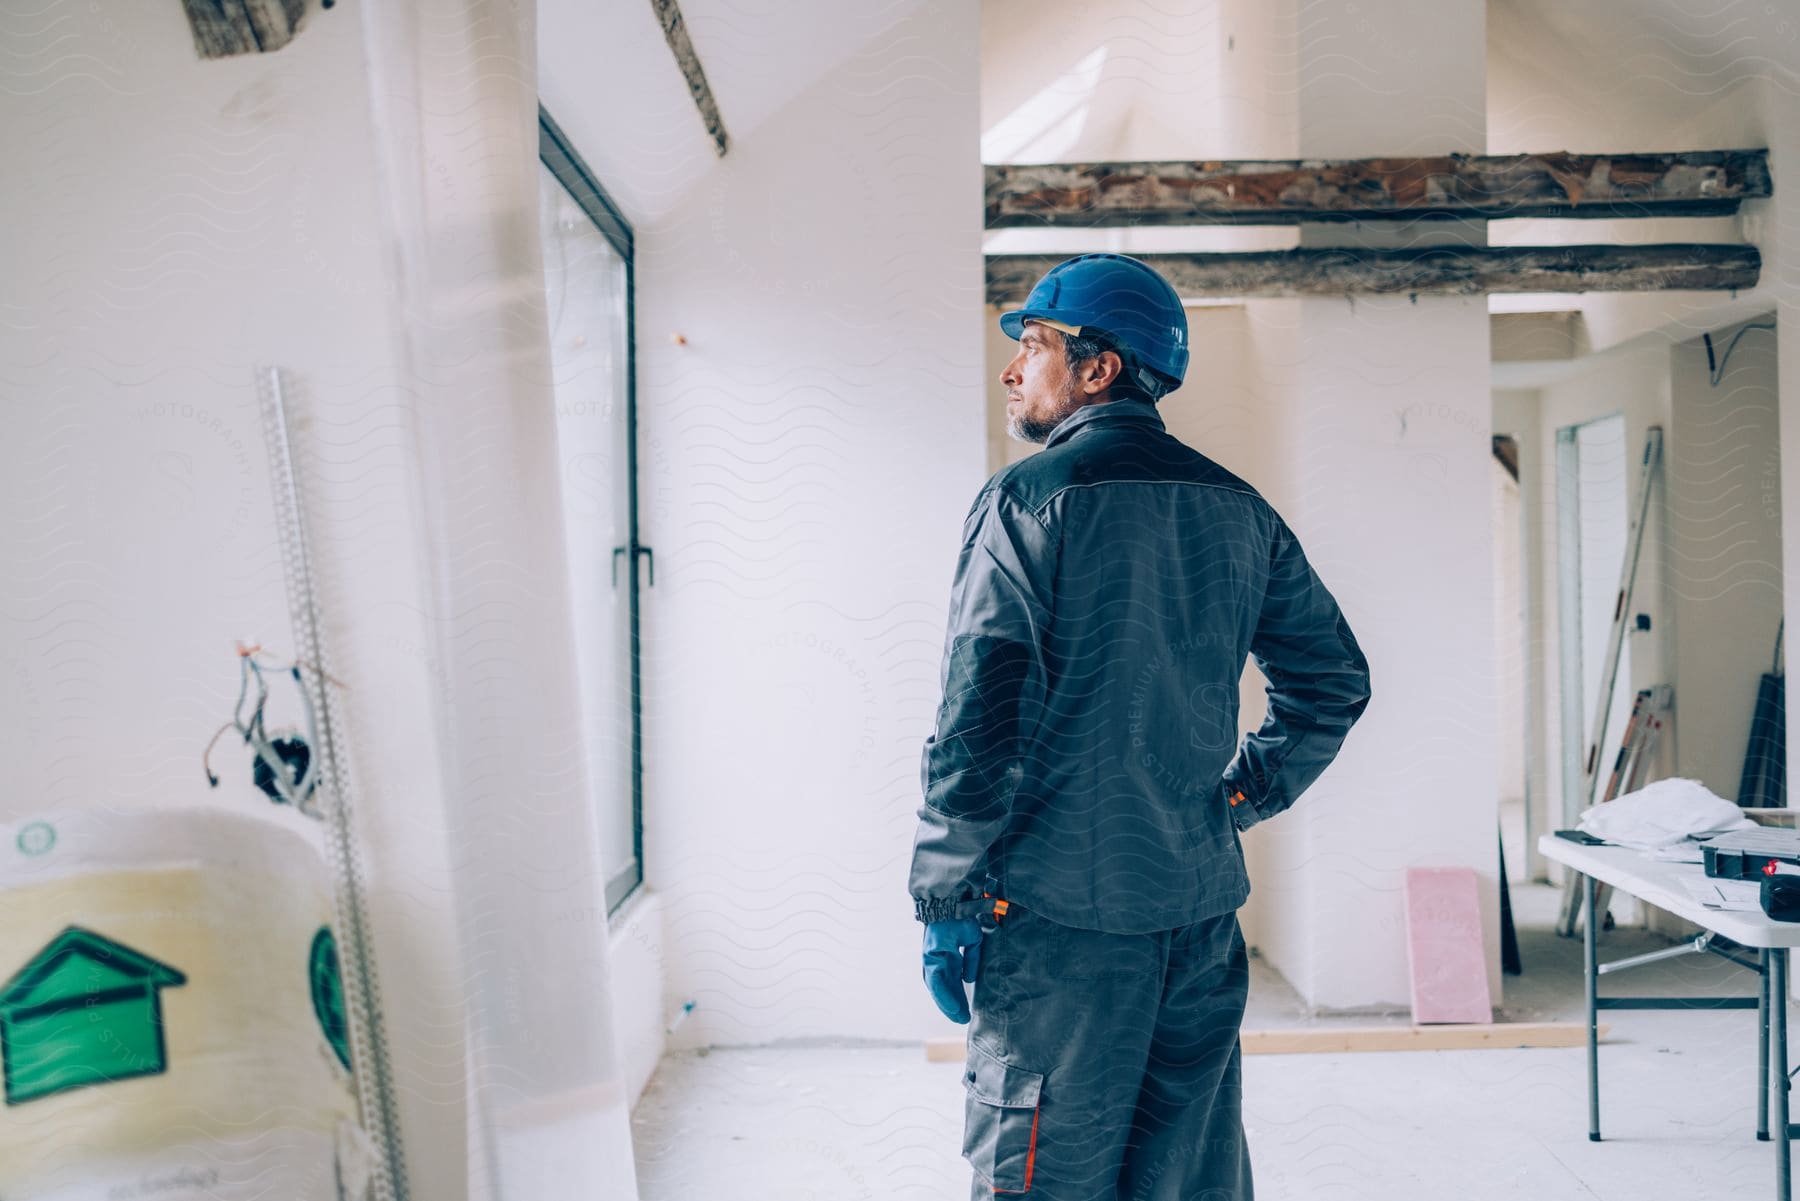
(369, 1052)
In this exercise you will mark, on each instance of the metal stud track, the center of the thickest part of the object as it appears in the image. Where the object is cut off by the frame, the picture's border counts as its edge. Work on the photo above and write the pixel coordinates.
(369, 1052)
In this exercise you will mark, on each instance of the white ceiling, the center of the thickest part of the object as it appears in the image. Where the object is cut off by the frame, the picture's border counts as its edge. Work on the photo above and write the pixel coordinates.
(1600, 75)
(1691, 47)
(1068, 80)
(607, 75)
(760, 54)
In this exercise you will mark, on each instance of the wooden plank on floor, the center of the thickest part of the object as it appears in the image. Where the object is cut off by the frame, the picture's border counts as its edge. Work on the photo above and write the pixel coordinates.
(1497, 1037)
(1329, 1040)
(945, 1050)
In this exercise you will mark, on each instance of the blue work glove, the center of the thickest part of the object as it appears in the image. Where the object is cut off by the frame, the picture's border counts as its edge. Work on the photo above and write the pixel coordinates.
(948, 964)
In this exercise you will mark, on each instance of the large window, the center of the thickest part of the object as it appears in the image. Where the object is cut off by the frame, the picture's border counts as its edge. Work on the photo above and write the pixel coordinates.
(588, 293)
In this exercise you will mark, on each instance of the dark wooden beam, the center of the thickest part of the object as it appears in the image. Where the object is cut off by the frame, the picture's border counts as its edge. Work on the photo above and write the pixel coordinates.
(1506, 450)
(1701, 183)
(668, 14)
(1422, 271)
(223, 28)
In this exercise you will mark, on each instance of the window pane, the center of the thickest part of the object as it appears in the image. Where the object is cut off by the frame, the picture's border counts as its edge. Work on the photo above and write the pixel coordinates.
(586, 299)
(1605, 465)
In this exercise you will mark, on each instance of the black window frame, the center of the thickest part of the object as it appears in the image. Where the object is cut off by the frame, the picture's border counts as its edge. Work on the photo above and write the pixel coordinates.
(559, 155)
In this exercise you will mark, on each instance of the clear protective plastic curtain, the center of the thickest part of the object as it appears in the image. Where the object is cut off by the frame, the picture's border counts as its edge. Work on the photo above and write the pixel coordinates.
(454, 99)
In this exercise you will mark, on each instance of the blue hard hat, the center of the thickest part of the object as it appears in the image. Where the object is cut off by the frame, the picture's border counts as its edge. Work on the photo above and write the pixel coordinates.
(1119, 297)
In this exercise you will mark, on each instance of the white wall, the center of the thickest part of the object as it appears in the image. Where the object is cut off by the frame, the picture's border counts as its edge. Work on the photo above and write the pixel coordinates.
(1724, 568)
(170, 224)
(1509, 634)
(1516, 413)
(807, 458)
(362, 213)
(639, 968)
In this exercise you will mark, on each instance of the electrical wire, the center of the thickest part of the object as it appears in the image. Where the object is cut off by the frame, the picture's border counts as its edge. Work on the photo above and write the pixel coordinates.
(1717, 373)
(294, 785)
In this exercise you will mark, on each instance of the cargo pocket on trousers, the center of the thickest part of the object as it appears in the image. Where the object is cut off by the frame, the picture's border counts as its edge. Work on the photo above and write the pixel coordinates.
(1000, 1123)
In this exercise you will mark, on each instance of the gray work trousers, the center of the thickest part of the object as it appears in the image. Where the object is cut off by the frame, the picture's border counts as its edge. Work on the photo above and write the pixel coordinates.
(1106, 1067)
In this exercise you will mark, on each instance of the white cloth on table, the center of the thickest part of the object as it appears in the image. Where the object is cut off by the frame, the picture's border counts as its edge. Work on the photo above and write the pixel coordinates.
(1663, 814)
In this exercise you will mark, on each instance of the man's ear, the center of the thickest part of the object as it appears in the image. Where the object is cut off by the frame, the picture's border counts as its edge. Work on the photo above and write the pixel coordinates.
(1101, 372)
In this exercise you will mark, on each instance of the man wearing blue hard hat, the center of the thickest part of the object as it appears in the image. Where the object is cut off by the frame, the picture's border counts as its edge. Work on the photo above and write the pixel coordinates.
(1077, 858)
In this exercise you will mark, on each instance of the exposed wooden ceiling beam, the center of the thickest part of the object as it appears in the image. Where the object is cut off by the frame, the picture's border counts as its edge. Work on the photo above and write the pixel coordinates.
(1506, 450)
(222, 28)
(1696, 184)
(668, 14)
(1422, 271)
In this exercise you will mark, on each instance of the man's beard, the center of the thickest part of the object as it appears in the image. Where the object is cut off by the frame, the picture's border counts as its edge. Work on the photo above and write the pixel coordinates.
(1028, 429)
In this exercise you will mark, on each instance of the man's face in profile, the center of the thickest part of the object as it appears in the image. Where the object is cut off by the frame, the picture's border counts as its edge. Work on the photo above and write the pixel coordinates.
(1040, 388)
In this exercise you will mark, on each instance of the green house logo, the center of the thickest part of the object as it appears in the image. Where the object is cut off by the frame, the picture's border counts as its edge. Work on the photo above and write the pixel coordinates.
(86, 1010)
(326, 983)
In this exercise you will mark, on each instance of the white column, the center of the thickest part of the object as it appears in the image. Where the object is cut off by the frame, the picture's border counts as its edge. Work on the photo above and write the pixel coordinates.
(1380, 417)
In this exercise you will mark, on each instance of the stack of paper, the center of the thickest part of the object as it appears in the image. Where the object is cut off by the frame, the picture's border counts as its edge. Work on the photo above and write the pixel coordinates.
(1733, 895)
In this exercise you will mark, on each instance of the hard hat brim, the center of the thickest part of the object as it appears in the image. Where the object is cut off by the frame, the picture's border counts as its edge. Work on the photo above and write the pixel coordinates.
(1013, 324)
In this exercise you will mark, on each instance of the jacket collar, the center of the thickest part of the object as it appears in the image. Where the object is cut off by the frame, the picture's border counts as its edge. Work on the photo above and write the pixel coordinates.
(1112, 412)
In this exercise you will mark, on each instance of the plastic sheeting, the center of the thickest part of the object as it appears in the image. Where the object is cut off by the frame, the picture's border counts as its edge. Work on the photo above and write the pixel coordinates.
(453, 88)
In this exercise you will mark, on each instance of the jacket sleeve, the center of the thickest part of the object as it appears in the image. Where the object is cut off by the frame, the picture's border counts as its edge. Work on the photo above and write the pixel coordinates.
(992, 676)
(1318, 687)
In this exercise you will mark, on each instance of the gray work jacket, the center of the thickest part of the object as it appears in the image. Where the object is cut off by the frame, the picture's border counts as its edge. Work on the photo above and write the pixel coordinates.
(1086, 761)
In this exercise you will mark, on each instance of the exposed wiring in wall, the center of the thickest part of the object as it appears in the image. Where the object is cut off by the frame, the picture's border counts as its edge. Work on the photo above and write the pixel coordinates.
(283, 760)
(1717, 373)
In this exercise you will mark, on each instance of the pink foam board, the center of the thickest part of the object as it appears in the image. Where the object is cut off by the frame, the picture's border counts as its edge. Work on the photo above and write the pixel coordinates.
(1444, 951)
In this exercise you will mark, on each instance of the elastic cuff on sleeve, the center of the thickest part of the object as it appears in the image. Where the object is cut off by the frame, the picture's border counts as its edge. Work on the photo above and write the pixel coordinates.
(937, 909)
(1244, 810)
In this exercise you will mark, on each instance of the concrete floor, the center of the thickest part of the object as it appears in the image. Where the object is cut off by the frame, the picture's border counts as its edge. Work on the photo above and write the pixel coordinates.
(1677, 1105)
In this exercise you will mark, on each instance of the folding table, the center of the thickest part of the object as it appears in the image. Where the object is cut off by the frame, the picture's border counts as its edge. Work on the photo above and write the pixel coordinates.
(1660, 883)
